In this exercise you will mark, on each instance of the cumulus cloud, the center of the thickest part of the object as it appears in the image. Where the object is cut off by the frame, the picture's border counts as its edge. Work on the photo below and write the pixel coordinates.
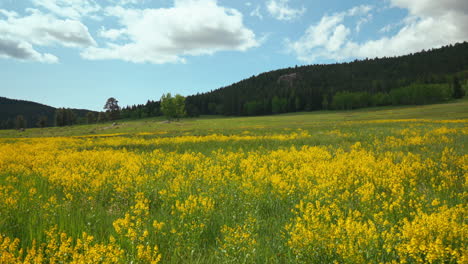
(22, 50)
(429, 24)
(326, 38)
(42, 29)
(127, 2)
(167, 35)
(74, 9)
(281, 10)
(20, 33)
(112, 34)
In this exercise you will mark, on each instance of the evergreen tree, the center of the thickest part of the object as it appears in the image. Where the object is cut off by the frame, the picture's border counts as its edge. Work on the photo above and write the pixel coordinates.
(42, 121)
(102, 117)
(20, 122)
(368, 82)
(65, 117)
(90, 118)
(325, 102)
(60, 118)
(458, 91)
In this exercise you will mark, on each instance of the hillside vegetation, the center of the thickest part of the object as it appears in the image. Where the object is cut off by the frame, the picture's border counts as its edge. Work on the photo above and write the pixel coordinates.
(379, 186)
(426, 77)
(420, 78)
(31, 113)
(233, 125)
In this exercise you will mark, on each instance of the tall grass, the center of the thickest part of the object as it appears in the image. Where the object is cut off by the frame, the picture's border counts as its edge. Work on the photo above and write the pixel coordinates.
(287, 189)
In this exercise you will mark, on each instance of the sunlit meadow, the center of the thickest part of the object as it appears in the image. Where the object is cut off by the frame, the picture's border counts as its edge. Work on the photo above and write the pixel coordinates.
(368, 191)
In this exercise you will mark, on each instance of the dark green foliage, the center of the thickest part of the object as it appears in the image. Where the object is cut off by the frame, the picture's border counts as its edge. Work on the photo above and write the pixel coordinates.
(192, 110)
(7, 124)
(90, 118)
(458, 91)
(420, 94)
(254, 108)
(112, 108)
(414, 94)
(173, 107)
(325, 102)
(380, 99)
(10, 109)
(34, 114)
(347, 100)
(150, 109)
(102, 117)
(65, 117)
(43, 121)
(20, 122)
(366, 83)
(279, 105)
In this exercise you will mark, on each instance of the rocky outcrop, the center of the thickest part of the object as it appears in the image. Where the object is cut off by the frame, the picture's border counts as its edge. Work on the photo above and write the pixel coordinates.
(288, 78)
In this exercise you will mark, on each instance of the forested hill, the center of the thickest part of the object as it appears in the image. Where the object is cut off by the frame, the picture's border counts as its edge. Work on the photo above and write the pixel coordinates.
(423, 77)
(31, 112)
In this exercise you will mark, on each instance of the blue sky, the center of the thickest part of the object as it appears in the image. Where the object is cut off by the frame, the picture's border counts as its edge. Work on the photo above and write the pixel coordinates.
(78, 53)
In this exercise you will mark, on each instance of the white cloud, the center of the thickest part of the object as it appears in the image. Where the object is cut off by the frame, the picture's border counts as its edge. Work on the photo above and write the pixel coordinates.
(326, 37)
(359, 10)
(112, 34)
(19, 34)
(45, 30)
(75, 9)
(168, 35)
(256, 13)
(362, 21)
(429, 24)
(127, 2)
(281, 10)
(430, 8)
(22, 50)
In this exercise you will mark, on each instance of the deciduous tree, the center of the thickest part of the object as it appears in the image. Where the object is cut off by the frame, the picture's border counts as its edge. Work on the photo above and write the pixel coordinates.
(173, 107)
(112, 108)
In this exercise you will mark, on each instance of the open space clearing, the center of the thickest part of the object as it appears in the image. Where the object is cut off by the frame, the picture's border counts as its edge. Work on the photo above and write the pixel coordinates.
(378, 185)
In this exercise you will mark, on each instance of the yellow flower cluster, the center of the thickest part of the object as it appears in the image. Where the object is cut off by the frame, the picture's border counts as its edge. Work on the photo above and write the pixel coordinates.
(324, 230)
(60, 248)
(344, 195)
(440, 237)
(192, 205)
(134, 227)
(239, 243)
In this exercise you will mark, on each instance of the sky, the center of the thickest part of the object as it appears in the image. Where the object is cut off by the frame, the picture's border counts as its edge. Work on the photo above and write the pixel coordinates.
(78, 53)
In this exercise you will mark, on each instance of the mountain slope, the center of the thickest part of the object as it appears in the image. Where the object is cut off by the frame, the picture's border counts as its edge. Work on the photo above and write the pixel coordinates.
(313, 87)
(31, 111)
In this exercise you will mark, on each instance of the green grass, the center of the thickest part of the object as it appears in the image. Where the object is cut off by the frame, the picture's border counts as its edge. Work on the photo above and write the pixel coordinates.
(353, 139)
(262, 124)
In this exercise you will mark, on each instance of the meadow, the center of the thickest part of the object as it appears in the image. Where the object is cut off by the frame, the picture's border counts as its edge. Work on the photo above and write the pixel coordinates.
(381, 185)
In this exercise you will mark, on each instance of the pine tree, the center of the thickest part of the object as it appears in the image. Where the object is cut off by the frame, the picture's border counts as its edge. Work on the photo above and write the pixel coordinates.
(458, 91)
(20, 122)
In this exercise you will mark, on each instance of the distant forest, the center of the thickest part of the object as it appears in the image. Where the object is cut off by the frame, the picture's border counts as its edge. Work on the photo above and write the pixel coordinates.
(420, 78)
(26, 114)
(431, 76)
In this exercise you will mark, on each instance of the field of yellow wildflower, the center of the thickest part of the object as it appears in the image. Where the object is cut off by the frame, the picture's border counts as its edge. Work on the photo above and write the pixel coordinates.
(372, 191)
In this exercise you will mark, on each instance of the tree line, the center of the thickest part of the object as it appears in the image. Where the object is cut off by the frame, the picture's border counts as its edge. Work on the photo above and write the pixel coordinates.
(425, 77)
(25, 114)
